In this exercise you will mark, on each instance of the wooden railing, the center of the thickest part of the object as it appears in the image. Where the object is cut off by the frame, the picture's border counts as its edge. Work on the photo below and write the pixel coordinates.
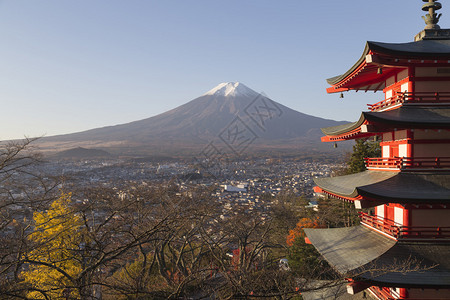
(426, 162)
(380, 293)
(384, 162)
(400, 98)
(405, 232)
(427, 97)
(397, 99)
(424, 232)
(408, 162)
(383, 225)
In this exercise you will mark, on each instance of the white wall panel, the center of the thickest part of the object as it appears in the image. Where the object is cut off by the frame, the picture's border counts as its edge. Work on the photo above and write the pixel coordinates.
(398, 215)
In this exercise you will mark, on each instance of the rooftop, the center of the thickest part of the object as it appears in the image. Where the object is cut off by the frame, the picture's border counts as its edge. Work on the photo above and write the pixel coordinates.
(385, 186)
(362, 253)
(407, 116)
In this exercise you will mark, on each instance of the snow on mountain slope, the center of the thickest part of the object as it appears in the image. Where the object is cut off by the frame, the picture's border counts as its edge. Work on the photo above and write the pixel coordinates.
(232, 89)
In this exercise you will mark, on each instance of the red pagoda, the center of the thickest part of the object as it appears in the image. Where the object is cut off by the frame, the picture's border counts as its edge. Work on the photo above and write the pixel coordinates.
(401, 249)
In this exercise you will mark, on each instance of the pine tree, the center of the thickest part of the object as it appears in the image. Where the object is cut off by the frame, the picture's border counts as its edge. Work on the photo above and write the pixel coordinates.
(303, 258)
(52, 262)
(363, 148)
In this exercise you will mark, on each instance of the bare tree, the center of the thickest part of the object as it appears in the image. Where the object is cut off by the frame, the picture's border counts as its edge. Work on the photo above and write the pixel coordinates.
(23, 186)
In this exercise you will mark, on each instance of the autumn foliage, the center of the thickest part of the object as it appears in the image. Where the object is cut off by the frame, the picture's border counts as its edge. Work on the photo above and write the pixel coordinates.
(52, 264)
(298, 232)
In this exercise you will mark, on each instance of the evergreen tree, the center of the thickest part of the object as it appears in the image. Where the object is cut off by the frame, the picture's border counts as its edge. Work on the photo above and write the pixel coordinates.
(304, 260)
(363, 148)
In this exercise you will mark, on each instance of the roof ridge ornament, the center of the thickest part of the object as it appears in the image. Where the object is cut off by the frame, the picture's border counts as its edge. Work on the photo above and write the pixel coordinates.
(432, 31)
(431, 18)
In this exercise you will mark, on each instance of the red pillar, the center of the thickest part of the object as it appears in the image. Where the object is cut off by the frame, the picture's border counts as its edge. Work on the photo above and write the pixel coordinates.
(406, 218)
(410, 146)
(403, 293)
(412, 74)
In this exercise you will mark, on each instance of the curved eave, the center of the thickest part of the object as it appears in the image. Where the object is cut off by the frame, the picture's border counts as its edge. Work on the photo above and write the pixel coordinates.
(348, 248)
(355, 134)
(411, 116)
(363, 74)
(346, 131)
(428, 263)
(385, 186)
(365, 79)
(362, 253)
(347, 185)
(344, 128)
(407, 116)
(337, 79)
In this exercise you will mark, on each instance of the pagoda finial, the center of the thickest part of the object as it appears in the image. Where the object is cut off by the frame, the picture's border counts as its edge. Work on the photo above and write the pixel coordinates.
(431, 18)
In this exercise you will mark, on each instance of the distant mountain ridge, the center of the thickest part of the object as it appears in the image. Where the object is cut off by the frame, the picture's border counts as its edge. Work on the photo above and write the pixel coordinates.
(193, 125)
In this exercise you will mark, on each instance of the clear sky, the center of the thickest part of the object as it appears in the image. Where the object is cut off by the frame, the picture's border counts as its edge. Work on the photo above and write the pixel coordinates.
(68, 66)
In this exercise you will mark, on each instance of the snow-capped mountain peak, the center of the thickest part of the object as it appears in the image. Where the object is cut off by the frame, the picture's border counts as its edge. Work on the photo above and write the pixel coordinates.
(231, 89)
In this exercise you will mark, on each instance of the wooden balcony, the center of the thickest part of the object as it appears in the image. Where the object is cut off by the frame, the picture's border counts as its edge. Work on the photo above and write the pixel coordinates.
(382, 293)
(391, 102)
(411, 163)
(417, 98)
(384, 162)
(383, 225)
(401, 232)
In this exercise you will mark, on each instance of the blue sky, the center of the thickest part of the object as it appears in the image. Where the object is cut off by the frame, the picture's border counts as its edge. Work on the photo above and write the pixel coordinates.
(68, 66)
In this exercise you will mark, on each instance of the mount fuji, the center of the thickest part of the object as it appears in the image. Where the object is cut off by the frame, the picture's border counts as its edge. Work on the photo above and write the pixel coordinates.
(226, 109)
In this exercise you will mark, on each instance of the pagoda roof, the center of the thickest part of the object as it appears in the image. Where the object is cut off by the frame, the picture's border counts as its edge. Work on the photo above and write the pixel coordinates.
(407, 116)
(362, 253)
(420, 49)
(431, 259)
(344, 128)
(349, 248)
(363, 74)
(405, 187)
(329, 290)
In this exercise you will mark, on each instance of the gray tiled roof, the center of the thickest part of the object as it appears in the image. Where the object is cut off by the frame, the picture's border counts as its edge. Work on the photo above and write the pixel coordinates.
(362, 253)
(407, 187)
(349, 248)
(422, 49)
(413, 116)
(407, 116)
(432, 261)
(330, 290)
(347, 185)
